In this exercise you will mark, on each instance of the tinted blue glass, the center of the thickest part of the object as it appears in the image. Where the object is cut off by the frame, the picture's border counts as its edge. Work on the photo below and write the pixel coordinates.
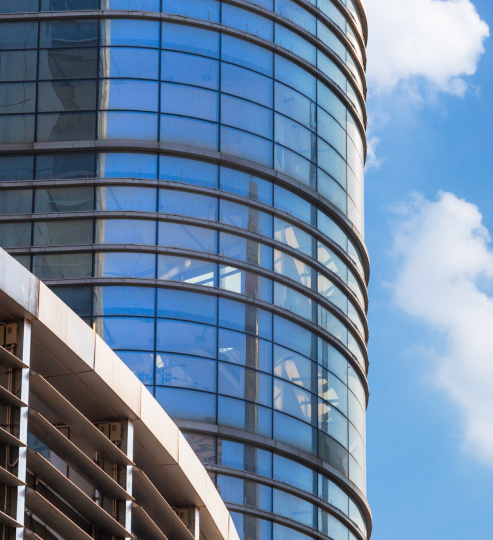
(186, 372)
(237, 456)
(189, 132)
(193, 271)
(15, 234)
(187, 237)
(291, 507)
(245, 318)
(188, 204)
(187, 404)
(296, 44)
(128, 125)
(246, 54)
(189, 69)
(296, 137)
(247, 21)
(293, 473)
(173, 304)
(126, 198)
(144, 5)
(246, 115)
(332, 162)
(129, 94)
(82, 33)
(247, 283)
(297, 14)
(246, 217)
(139, 265)
(246, 84)
(126, 231)
(246, 145)
(293, 400)
(189, 101)
(16, 168)
(331, 131)
(238, 348)
(18, 35)
(127, 332)
(294, 367)
(183, 38)
(197, 9)
(127, 165)
(293, 204)
(188, 171)
(294, 432)
(295, 105)
(296, 77)
(293, 336)
(244, 383)
(142, 364)
(243, 249)
(137, 301)
(332, 104)
(128, 62)
(186, 338)
(244, 415)
(246, 185)
(130, 32)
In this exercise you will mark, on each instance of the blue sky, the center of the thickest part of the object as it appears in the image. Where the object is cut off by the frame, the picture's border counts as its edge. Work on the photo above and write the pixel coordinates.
(429, 211)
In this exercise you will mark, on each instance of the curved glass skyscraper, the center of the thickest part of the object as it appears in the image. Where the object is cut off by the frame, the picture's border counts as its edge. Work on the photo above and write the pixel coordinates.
(188, 175)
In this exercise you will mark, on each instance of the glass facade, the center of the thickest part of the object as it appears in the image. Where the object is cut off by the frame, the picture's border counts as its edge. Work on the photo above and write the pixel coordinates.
(188, 176)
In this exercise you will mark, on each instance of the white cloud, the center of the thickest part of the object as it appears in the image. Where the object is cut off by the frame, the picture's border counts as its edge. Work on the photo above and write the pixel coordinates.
(445, 261)
(372, 159)
(438, 41)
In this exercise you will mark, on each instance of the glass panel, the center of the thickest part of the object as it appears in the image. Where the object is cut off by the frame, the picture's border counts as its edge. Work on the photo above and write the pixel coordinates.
(293, 400)
(292, 268)
(246, 115)
(246, 185)
(126, 198)
(127, 166)
(186, 270)
(133, 333)
(294, 368)
(246, 250)
(66, 127)
(141, 364)
(242, 383)
(72, 199)
(188, 131)
(128, 62)
(67, 96)
(187, 404)
(244, 457)
(186, 338)
(62, 232)
(140, 5)
(207, 10)
(332, 390)
(130, 32)
(295, 105)
(246, 145)
(245, 416)
(246, 54)
(294, 508)
(17, 98)
(15, 234)
(293, 237)
(188, 204)
(63, 5)
(129, 94)
(332, 422)
(18, 35)
(128, 125)
(189, 101)
(245, 318)
(187, 237)
(188, 171)
(238, 348)
(186, 372)
(125, 231)
(246, 218)
(76, 298)
(247, 21)
(136, 301)
(65, 165)
(68, 64)
(293, 473)
(294, 136)
(138, 265)
(245, 492)
(16, 129)
(19, 6)
(247, 283)
(16, 201)
(296, 77)
(189, 306)
(14, 168)
(246, 84)
(294, 432)
(18, 65)
(183, 38)
(293, 301)
(70, 33)
(189, 69)
(295, 337)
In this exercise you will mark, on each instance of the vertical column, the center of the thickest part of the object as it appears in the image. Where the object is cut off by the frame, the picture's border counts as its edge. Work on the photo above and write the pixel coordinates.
(127, 446)
(23, 353)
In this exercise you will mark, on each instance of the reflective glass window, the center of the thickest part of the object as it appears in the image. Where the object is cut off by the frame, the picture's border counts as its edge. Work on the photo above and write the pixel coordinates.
(294, 432)
(129, 94)
(68, 64)
(188, 131)
(293, 336)
(187, 237)
(65, 165)
(188, 171)
(63, 232)
(125, 231)
(296, 77)
(293, 268)
(186, 270)
(293, 236)
(297, 14)
(245, 492)
(246, 84)
(294, 165)
(15, 234)
(115, 300)
(17, 97)
(247, 283)
(294, 367)
(296, 137)
(333, 422)
(186, 338)
(129, 63)
(140, 363)
(189, 306)
(292, 507)
(207, 10)
(242, 53)
(244, 457)
(184, 371)
(18, 35)
(294, 205)
(246, 145)
(188, 204)
(71, 199)
(130, 32)
(68, 33)
(245, 350)
(66, 96)
(246, 185)
(16, 129)
(246, 115)
(295, 474)
(125, 264)
(77, 298)
(293, 301)
(293, 400)
(184, 38)
(244, 415)
(19, 6)
(246, 250)
(187, 404)
(128, 125)
(245, 318)
(332, 390)
(242, 383)
(247, 21)
(189, 69)
(16, 201)
(189, 101)
(18, 65)
(132, 333)
(245, 523)
(296, 44)
(127, 165)
(123, 198)
(246, 217)
(143, 5)
(66, 127)
(16, 167)
(295, 105)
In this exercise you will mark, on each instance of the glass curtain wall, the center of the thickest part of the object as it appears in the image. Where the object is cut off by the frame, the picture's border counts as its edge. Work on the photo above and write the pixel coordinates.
(188, 176)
